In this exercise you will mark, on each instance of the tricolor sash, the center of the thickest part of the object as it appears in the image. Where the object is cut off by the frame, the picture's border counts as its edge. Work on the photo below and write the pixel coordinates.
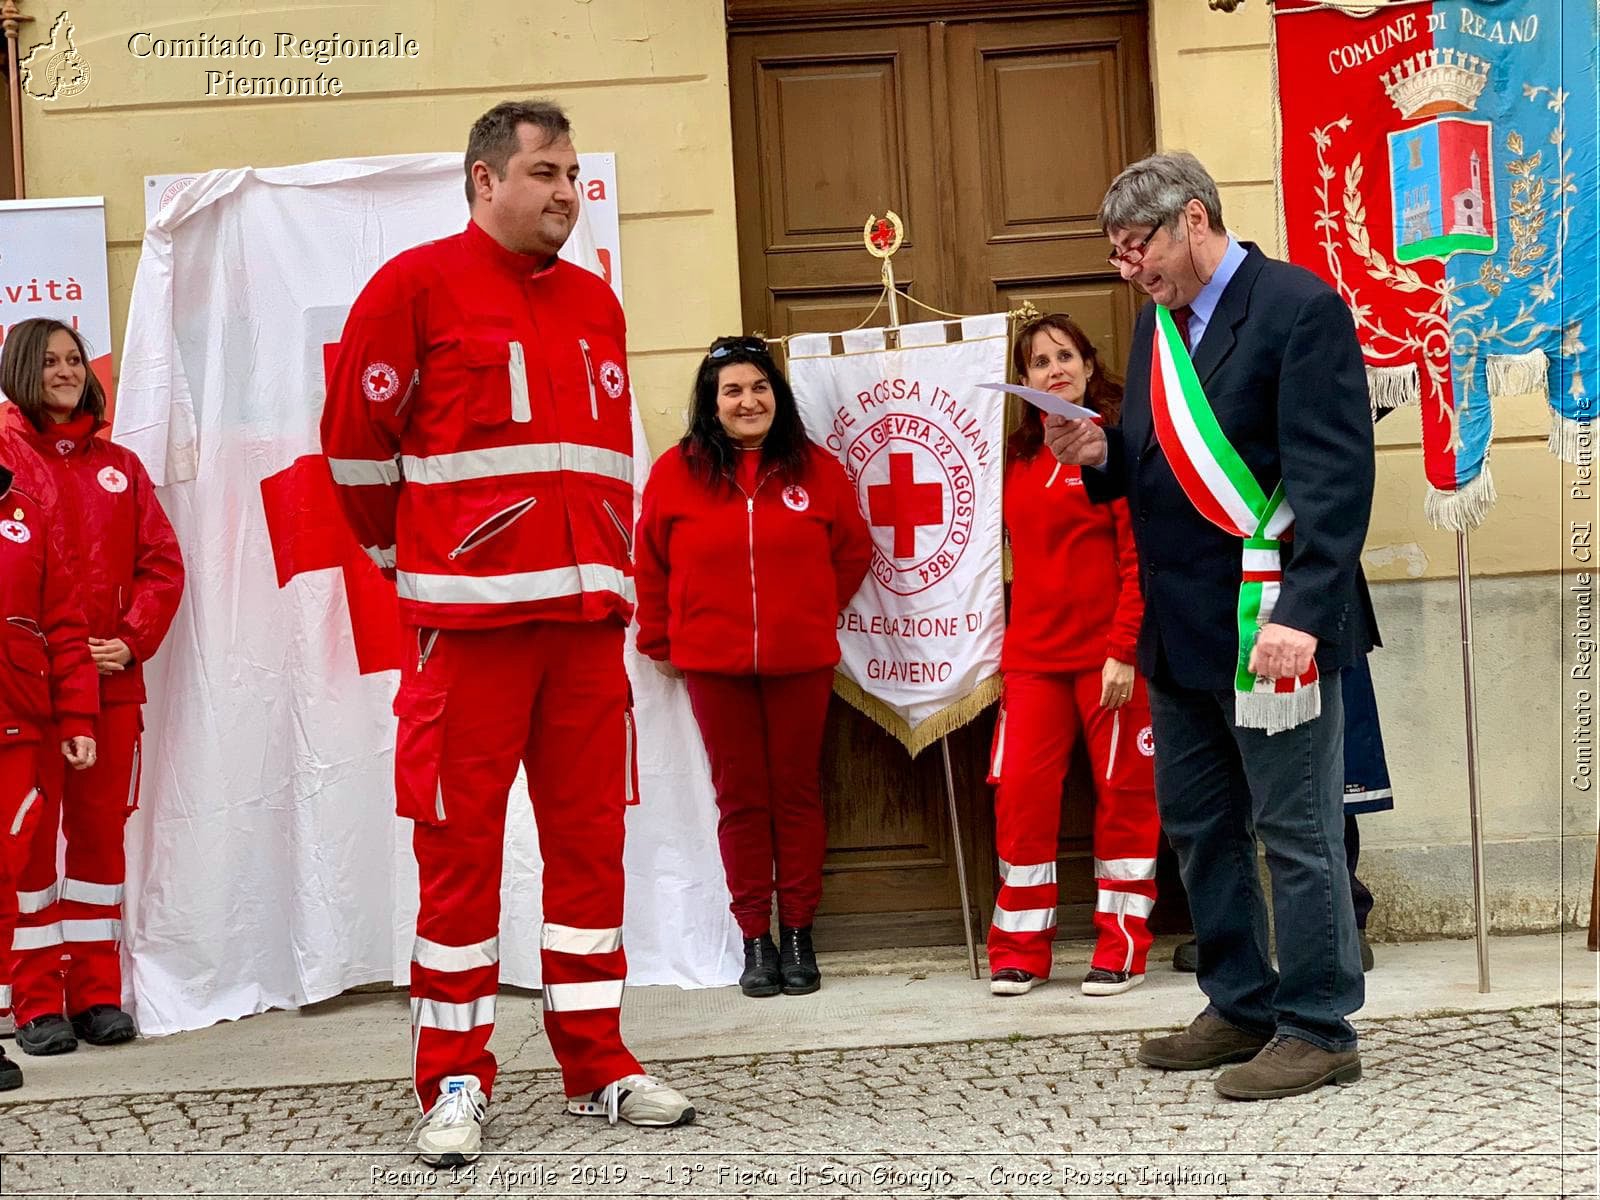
(1222, 489)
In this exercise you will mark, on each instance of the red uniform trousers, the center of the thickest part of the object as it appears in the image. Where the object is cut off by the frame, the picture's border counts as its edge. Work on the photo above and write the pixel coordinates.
(763, 735)
(1040, 721)
(36, 944)
(472, 704)
(20, 802)
(68, 944)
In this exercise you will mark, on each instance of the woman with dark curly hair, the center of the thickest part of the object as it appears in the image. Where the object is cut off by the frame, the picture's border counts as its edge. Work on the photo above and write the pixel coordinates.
(749, 546)
(1068, 667)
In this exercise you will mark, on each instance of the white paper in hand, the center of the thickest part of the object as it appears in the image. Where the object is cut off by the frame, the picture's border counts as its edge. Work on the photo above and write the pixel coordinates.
(1048, 401)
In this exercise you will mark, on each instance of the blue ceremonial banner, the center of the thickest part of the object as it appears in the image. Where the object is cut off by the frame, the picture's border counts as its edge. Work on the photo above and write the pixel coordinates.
(1439, 168)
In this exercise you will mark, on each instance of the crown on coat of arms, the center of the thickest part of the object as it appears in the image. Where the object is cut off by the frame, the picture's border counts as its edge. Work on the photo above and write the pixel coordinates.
(1437, 81)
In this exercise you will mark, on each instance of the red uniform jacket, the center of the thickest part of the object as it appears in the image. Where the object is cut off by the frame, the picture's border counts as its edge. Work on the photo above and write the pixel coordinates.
(1075, 598)
(750, 578)
(479, 429)
(127, 566)
(46, 674)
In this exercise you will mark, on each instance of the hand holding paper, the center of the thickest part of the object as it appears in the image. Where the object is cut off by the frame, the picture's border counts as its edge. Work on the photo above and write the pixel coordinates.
(1077, 442)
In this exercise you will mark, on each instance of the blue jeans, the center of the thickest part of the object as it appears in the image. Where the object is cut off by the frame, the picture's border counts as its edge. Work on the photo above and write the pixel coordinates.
(1219, 788)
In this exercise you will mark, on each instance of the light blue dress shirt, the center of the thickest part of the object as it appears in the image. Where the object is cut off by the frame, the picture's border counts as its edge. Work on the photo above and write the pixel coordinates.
(1211, 294)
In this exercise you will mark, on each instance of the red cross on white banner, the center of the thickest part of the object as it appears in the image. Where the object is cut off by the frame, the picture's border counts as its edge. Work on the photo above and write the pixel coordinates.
(309, 533)
(904, 504)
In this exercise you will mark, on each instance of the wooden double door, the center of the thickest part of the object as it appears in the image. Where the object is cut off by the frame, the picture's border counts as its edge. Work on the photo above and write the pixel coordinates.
(993, 130)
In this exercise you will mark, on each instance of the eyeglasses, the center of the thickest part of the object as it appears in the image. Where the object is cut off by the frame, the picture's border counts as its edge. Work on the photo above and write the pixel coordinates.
(751, 345)
(1133, 255)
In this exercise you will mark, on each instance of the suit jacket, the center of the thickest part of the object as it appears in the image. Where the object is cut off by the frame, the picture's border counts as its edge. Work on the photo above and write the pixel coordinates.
(1282, 368)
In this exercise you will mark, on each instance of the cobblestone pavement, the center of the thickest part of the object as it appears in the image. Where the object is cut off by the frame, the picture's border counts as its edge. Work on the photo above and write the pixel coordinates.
(1487, 1104)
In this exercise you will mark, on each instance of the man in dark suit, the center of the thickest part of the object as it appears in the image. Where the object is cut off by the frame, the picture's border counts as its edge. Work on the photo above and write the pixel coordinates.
(1274, 352)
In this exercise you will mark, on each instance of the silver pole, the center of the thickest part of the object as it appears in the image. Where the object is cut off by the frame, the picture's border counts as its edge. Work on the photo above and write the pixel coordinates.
(961, 857)
(1480, 897)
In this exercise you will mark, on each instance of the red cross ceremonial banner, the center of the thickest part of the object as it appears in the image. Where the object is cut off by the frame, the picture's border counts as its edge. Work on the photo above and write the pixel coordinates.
(920, 642)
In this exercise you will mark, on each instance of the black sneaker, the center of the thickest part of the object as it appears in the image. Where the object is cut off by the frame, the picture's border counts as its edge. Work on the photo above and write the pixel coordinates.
(10, 1074)
(1013, 981)
(1366, 953)
(798, 962)
(1187, 957)
(49, 1034)
(104, 1025)
(761, 977)
(1100, 982)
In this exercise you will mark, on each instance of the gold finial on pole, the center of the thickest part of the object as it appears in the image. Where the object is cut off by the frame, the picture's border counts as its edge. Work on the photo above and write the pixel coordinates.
(882, 237)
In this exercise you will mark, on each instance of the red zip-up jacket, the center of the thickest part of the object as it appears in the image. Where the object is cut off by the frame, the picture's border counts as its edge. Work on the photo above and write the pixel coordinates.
(46, 674)
(479, 430)
(1075, 598)
(747, 578)
(128, 569)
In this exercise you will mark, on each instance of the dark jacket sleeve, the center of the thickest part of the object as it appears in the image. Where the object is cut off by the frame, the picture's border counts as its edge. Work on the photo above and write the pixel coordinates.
(1325, 446)
(1109, 482)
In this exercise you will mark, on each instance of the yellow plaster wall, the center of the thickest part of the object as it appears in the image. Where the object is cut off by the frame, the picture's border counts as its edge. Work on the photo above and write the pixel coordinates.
(646, 79)
(1213, 79)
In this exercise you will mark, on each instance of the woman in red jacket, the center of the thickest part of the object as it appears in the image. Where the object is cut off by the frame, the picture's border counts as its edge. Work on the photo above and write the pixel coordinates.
(129, 577)
(47, 682)
(749, 545)
(1068, 665)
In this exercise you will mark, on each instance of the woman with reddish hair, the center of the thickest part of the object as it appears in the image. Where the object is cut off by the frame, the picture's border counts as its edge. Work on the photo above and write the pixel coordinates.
(1068, 671)
(67, 956)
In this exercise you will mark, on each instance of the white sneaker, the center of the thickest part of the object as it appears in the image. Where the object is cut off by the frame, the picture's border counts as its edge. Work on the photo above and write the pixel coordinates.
(450, 1134)
(638, 1100)
(1100, 982)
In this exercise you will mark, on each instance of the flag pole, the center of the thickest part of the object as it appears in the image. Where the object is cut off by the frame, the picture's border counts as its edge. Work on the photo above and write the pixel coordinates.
(11, 19)
(883, 238)
(1480, 899)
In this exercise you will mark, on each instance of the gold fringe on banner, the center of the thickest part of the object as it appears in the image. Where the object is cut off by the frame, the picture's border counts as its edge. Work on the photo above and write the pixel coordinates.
(947, 720)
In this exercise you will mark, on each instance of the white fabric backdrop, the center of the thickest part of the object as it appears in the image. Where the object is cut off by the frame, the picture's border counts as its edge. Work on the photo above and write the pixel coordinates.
(266, 867)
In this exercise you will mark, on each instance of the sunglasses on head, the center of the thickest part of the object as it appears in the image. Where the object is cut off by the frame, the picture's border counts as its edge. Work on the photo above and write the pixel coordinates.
(751, 345)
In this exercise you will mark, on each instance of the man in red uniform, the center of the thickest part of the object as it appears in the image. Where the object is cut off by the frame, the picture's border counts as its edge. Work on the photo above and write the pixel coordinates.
(478, 425)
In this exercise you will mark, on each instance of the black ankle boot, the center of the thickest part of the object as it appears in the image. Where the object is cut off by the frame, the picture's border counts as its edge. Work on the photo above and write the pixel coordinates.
(760, 976)
(799, 961)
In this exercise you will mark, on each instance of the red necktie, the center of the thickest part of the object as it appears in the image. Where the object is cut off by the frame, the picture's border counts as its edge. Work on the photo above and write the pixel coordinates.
(1180, 318)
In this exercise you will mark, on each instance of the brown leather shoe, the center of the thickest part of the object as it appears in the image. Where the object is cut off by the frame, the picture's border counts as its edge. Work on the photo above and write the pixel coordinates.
(1208, 1042)
(1289, 1066)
